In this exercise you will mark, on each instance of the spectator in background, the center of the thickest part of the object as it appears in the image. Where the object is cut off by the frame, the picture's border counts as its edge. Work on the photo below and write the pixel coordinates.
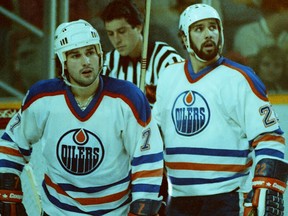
(270, 67)
(235, 13)
(270, 29)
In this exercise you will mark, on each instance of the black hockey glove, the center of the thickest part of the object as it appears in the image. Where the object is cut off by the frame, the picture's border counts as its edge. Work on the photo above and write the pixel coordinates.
(269, 184)
(11, 195)
(145, 207)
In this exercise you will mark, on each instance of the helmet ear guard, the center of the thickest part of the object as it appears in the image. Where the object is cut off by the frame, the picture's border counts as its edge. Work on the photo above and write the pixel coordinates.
(195, 13)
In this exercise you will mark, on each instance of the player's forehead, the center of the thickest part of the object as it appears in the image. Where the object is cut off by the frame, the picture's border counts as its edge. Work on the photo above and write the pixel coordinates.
(203, 22)
(80, 49)
(116, 24)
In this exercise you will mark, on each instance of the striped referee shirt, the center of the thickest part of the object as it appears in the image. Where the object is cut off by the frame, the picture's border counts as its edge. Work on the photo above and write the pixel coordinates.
(159, 56)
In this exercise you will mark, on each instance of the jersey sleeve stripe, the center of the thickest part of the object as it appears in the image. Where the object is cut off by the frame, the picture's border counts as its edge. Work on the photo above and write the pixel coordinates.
(147, 174)
(10, 151)
(147, 159)
(146, 188)
(269, 137)
(10, 164)
(269, 152)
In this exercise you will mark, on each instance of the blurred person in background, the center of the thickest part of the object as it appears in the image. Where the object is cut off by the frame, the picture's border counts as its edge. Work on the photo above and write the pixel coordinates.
(270, 65)
(270, 29)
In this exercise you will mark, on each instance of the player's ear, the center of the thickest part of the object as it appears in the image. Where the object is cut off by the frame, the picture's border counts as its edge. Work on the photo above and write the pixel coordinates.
(139, 28)
(184, 40)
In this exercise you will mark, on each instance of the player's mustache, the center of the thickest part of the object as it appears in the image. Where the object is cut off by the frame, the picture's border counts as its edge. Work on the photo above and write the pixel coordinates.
(208, 43)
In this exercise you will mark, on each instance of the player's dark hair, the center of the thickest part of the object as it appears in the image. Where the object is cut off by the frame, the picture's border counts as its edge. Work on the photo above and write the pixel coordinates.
(126, 9)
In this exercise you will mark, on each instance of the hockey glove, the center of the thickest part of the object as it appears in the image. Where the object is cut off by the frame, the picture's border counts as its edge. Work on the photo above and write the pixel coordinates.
(145, 207)
(269, 184)
(11, 195)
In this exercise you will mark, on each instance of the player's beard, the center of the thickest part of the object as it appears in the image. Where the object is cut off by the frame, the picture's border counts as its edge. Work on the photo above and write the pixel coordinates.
(207, 56)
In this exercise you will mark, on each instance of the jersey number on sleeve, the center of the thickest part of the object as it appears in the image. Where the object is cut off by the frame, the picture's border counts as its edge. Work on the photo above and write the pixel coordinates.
(266, 112)
(146, 137)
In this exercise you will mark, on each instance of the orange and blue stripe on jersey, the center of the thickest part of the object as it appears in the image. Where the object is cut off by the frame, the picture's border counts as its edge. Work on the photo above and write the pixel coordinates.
(89, 200)
(255, 83)
(12, 152)
(131, 95)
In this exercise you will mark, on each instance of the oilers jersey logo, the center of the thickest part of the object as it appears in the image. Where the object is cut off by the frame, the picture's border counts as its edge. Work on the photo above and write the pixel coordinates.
(80, 152)
(190, 113)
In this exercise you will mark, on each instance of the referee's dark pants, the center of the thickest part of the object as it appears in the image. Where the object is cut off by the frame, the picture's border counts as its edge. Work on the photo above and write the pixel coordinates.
(226, 204)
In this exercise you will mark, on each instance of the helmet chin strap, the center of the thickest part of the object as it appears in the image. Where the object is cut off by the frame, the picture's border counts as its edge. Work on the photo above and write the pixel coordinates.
(191, 52)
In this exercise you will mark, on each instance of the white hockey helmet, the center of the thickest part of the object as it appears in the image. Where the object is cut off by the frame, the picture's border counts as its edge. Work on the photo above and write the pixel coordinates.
(195, 13)
(76, 34)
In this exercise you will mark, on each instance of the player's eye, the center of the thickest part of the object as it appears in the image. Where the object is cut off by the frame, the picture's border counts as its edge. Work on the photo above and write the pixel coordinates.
(198, 29)
(213, 27)
(91, 52)
(74, 56)
(110, 33)
(122, 30)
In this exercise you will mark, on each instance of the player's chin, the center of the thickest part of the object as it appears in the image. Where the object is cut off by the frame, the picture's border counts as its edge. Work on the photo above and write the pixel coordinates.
(123, 52)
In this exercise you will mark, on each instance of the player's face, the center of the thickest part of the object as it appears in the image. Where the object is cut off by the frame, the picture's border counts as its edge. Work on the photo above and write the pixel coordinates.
(205, 38)
(124, 37)
(83, 65)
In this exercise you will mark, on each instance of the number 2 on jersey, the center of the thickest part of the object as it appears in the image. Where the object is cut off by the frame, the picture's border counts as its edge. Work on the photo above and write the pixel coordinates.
(266, 112)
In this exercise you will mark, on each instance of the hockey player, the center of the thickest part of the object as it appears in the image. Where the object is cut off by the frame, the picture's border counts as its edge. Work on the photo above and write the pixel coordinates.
(103, 150)
(216, 120)
(124, 24)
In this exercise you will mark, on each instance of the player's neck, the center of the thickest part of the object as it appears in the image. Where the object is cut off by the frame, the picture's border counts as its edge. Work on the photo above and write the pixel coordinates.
(199, 65)
(83, 94)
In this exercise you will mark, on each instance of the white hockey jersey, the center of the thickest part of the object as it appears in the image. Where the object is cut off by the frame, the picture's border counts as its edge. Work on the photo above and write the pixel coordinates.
(159, 56)
(95, 158)
(211, 122)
